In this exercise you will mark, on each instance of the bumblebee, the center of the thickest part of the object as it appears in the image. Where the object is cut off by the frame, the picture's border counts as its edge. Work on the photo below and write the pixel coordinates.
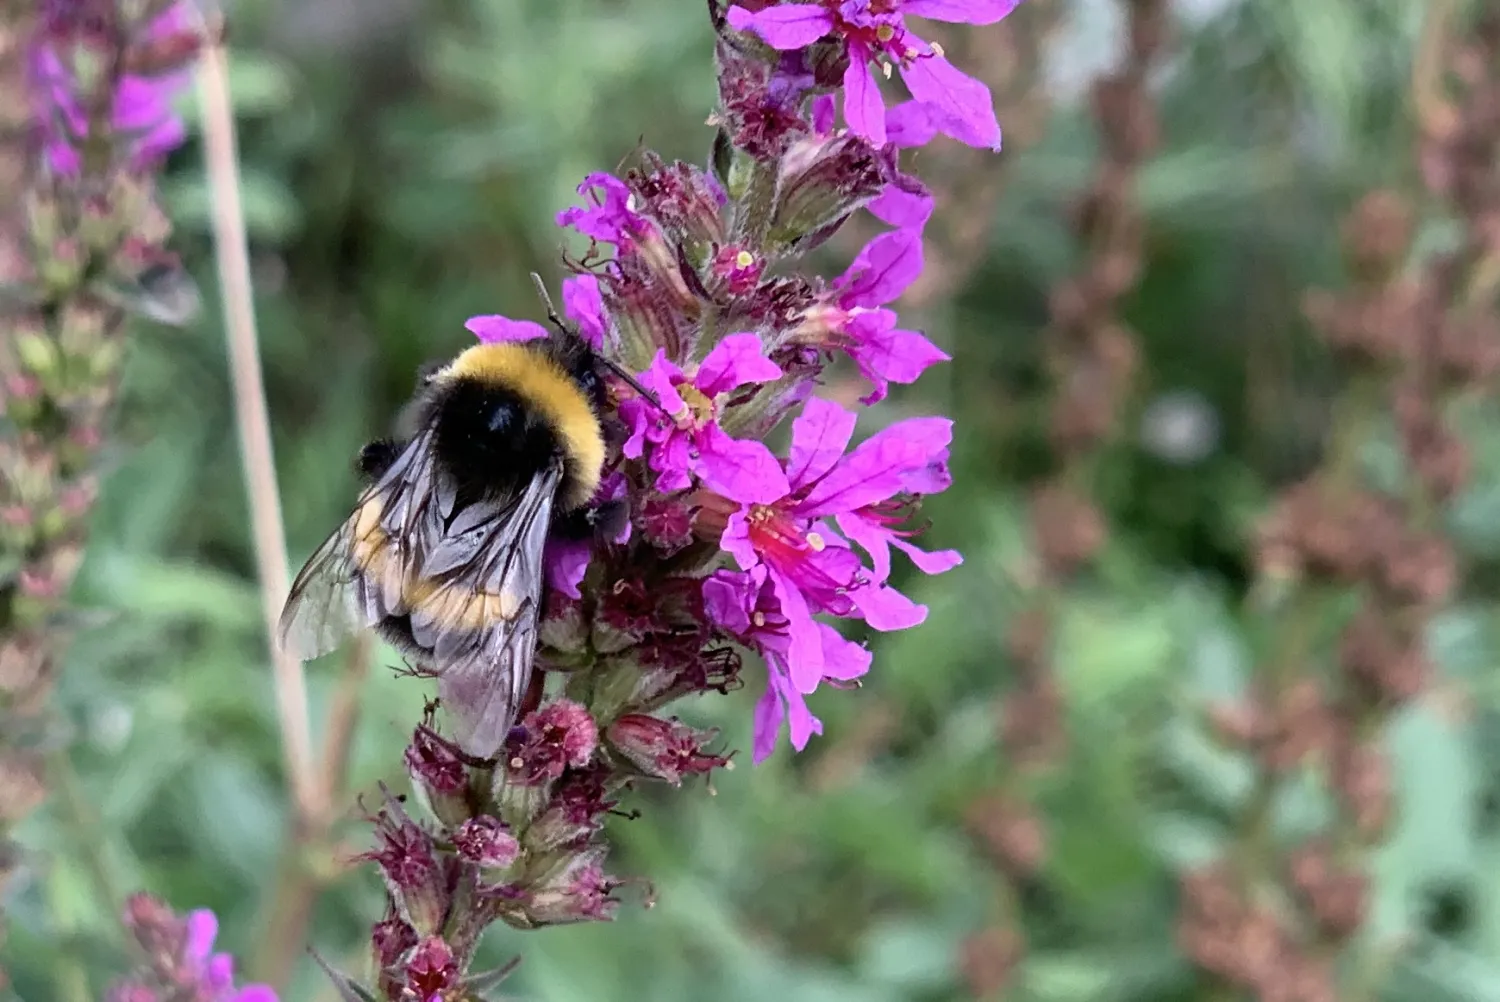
(442, 554)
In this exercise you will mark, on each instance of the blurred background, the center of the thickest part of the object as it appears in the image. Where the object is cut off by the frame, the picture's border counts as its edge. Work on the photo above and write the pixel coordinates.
(403, 161)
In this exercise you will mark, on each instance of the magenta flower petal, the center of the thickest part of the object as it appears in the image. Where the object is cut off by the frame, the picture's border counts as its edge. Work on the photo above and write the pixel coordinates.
(639, 416)
(909, 125)
(742, 470)
(864, 108)
(254, 993)
(820, 434)
(962, 106)
(886, 609)
(584, 305)
(898, 206)
(494, 328)
(843, 660)
(661, 378)
(789, 26)
(961, 11)
(933, 478)
(878, 467)
(220, 972)
(870, 537)
(769, 713)
(671, 460)
(202, 930)
(883, 269)
(804, 655)
(725, 601)
(733, 362)
(566, 561)
(735, 541)
(885, 353)
(800, 720)
(608, 215)
(929, 561)
(822, 113)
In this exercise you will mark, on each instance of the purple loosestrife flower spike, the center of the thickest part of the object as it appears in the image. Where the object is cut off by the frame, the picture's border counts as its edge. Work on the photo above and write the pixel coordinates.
(694, 283)
(86, 92)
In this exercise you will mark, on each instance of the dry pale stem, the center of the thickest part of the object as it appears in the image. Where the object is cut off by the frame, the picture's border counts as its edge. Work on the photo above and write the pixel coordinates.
(233, 256)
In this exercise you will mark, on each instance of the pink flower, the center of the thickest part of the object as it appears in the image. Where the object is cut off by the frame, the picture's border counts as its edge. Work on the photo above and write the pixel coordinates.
(142, 112)
(855, 320)
(960, 106)
(809, 567)
(687, 439)
(584, 305)
(745, 605)
(609, 215)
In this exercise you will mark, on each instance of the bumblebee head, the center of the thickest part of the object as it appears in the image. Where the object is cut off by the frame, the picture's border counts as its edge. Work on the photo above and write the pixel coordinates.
(503, 412)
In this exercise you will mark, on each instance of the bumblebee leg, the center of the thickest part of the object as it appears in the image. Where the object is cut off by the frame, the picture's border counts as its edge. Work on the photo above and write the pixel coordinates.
(375, 458)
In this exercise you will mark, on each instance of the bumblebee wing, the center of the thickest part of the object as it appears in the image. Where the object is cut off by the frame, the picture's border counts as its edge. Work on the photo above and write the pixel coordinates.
(479, 617)
(355, 578)
(326, 604)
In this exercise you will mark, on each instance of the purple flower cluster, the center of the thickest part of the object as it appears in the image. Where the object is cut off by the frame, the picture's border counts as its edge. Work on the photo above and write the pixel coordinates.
(179, 958)
(875, 32)
(687, 283)
(690, 283)
(136, 118)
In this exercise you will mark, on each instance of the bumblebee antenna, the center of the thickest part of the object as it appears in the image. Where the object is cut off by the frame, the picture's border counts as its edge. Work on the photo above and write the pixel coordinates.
(609, 363)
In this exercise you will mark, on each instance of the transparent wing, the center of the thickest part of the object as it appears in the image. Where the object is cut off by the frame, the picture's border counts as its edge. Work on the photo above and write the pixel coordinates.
(320, 611)
(480, 600)
(358, 575)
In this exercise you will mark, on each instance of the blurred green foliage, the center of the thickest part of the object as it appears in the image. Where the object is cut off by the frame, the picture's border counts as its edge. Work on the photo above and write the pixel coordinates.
(402, 166)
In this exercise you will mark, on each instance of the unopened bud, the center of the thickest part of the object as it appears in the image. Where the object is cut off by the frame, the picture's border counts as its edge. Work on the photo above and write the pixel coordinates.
(439, 775)
(485, 842)
(36, 352)
(418, 881)
(663, 749)
(431, 969)
(821, 181)
(644, 320)
(571, 888)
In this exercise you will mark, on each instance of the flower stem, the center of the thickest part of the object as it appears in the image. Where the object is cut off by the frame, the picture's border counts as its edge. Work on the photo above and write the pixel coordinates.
(233, 257)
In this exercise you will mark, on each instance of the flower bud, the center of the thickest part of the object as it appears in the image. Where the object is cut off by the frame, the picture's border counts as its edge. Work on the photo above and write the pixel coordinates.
(36, 352)
(485, 842)
(559, 736)
(663, 749)
(431, 969)
(61, 265)
(575, 812)
(570, 888)
(418, 881)
(684, 200)
(644, 320)
(439, 775)
(390, 938)
(564, 628)
(823, 179)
